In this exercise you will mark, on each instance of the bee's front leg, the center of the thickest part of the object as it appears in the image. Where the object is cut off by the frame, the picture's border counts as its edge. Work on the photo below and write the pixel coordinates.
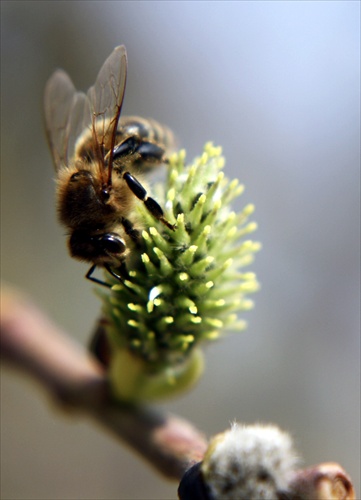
(129, 229)
(89, 276)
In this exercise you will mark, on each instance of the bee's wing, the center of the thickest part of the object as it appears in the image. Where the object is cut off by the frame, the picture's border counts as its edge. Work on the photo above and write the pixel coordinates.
(68, 112)
(80, 119)
(106, 98)
(58, 102)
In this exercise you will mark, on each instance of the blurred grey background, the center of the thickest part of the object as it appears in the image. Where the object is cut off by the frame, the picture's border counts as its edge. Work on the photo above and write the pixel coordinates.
(277, 84)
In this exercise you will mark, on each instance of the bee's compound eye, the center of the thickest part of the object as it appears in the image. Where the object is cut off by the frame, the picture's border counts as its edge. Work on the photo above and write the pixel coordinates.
(113, 244)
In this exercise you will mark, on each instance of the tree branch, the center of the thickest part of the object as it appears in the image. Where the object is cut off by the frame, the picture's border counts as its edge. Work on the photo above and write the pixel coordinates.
(32, 343)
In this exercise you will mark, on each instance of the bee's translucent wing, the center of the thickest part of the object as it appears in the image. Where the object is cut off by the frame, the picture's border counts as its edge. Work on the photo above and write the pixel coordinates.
(106, 99)
(58, 101)
(69, 113)
(80, 119)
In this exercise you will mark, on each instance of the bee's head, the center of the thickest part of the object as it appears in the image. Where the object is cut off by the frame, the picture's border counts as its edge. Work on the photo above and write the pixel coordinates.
(99, 248)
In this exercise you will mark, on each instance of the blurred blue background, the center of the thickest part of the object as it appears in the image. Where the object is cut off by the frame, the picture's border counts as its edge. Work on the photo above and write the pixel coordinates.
(277, 84)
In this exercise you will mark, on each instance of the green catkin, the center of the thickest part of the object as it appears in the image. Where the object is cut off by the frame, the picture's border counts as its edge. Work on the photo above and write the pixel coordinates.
(184, 286)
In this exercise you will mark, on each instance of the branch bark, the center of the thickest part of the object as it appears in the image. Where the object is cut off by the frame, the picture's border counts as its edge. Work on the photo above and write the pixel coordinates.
(32, 343)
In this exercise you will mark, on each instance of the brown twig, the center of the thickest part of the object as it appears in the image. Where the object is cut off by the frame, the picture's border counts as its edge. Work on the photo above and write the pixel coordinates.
(327, 481)
(32, 343)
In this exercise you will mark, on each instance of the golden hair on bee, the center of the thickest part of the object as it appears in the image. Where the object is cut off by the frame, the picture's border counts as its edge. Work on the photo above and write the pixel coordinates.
(96, 154)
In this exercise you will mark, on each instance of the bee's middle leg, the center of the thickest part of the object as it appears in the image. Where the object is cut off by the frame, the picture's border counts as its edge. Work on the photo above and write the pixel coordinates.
(140, 192)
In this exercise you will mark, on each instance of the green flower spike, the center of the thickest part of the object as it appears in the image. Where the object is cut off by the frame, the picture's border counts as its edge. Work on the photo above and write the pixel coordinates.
(184, 286)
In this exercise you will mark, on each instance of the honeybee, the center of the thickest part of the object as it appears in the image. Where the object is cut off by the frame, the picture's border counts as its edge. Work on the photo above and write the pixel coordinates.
(96, 153)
